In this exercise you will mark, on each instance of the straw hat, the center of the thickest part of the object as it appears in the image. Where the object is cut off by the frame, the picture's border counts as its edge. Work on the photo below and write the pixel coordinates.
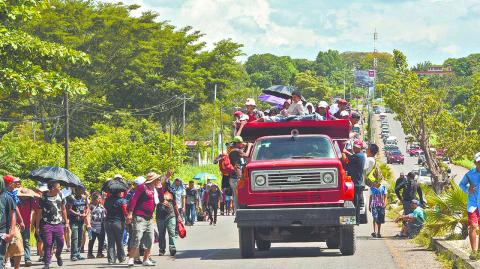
(24, 192)
(152, 176)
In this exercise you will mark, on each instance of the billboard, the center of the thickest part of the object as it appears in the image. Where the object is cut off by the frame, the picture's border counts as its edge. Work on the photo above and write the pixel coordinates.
(364, 78)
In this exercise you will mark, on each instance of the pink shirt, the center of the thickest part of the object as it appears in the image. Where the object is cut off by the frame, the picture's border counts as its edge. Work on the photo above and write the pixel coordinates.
(26, 207)
(142, 203)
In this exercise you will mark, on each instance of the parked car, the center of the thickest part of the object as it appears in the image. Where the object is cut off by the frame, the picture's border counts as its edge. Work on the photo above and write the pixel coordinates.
(424, 176)
(413, 150)
(395, 156)
(391, 140)
(390, 148)
(388, 110)
(383, 115)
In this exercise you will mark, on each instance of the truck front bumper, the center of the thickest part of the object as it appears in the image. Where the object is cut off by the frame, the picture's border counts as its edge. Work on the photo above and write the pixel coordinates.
(291, 217)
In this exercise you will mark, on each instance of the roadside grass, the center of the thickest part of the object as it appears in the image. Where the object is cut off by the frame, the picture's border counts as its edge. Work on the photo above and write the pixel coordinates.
(187, 172)
(464, 163)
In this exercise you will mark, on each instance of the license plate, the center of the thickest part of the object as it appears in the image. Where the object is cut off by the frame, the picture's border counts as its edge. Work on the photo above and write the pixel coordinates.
(348, 220)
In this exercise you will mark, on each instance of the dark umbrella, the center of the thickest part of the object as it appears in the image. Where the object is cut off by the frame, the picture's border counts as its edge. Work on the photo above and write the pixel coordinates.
(281, 91)
(115, 185)
(56, 174)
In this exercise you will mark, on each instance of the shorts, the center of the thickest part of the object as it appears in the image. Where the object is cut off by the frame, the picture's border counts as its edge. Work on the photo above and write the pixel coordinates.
(15, 248)
(142, 232)
(473, 218)
(378, 214)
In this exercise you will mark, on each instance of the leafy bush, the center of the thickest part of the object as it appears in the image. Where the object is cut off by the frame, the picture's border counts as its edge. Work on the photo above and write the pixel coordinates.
(464, 163)
(132, 148)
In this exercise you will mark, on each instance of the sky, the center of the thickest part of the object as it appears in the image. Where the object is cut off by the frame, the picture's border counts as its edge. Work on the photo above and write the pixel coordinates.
(425, 30)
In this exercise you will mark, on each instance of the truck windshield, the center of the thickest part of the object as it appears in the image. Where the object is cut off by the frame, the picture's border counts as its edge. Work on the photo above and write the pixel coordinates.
(280, 148)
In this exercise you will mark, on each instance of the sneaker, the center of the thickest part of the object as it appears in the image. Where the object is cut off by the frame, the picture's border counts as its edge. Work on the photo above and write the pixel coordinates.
(161, 253)
(80, 258)
(148, 263)
(99, 256)
(59, 260)
(150, 259)
(90, 256)
(138, 261)
(131, 262)
(28, 263)
(121, 260)
(379, 236)
(111, 263)
(74, 259)
(173, 251)
(374, 235)
(211, 223)
(40, 259)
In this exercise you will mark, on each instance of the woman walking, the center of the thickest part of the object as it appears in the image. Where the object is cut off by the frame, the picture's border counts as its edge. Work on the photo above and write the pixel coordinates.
(52, 220)
(116, 207)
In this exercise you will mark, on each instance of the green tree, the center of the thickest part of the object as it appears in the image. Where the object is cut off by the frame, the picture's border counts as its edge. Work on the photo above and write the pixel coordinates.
(399, 61)
(312, 86)
(328, 62)
(267, 69)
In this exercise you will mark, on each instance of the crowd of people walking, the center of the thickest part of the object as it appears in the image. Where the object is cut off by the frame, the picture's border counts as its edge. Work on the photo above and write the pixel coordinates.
(123, 224)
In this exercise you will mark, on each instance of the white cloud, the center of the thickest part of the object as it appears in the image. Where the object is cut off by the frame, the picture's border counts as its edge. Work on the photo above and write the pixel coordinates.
(424, 29)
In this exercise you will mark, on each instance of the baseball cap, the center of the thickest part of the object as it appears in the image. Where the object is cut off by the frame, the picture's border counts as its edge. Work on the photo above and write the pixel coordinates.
(238, 113)
(477, 157)
(118, 176)
(342, 102)
(250, 102)
(237, 139)
(9, 179)
(243, 117)
(344, 113)
(323, 104)
(358, 143)
(139, 180)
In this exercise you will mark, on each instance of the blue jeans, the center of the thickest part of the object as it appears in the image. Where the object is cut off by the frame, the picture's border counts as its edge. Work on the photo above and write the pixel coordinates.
(76, 238)
(190, 213)
(26, 244)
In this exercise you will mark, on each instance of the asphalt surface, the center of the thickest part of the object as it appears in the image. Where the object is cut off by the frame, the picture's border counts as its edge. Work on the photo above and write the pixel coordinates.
(217, 246)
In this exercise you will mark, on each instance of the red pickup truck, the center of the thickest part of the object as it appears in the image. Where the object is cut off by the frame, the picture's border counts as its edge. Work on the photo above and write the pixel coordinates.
(294, 187)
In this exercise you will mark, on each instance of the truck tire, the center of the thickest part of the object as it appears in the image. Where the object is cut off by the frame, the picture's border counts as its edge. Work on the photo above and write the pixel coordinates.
(246, 241)
(263, 245)
(333, 242)
(347, 240)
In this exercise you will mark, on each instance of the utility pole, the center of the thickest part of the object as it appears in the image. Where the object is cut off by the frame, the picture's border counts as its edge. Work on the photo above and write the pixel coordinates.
(171, 134)
(184, 106)
(344, 90)
(67, 130)
(214, 122)
(221, 131)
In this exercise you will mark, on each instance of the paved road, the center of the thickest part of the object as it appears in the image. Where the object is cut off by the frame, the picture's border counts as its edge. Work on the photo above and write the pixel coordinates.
(217, 247)
(411, 162)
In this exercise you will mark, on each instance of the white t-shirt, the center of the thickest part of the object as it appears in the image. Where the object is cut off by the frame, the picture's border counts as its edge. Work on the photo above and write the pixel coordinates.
(369, 165)
(296, 109)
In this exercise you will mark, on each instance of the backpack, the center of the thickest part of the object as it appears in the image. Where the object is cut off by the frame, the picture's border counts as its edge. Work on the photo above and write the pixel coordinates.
(225, 165)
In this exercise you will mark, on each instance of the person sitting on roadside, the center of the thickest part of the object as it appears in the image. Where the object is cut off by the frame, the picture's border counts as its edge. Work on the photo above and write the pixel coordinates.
(409, 189)
(342, 106)
(469, 184)
(414, 220)
(296, 108)
(252, 113)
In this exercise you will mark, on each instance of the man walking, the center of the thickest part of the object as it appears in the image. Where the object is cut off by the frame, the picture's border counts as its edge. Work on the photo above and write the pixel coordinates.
(77, 210)
(140, 214)
(470, 185)
(191, 203)
(7, 221)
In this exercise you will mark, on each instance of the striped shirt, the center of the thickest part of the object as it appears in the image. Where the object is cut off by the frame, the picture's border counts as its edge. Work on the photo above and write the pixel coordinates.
(378, 196)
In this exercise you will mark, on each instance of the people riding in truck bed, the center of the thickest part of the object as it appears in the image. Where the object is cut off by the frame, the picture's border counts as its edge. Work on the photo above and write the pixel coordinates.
(252, 113)
(342, 106)
(296, 108)
(324, 111)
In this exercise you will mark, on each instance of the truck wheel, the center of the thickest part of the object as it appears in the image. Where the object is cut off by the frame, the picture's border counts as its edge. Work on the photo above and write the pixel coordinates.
(333, 242)
(263, 245)
(247, 241)
(347, 240)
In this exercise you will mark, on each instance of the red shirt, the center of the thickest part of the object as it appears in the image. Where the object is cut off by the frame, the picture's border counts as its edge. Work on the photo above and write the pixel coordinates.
(26, 207)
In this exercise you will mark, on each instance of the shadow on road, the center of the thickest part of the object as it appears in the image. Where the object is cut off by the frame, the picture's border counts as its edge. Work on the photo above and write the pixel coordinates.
(274, 252)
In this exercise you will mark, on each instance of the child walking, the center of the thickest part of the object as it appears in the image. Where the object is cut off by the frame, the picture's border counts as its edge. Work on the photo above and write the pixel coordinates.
(98, 215)
(377, 203)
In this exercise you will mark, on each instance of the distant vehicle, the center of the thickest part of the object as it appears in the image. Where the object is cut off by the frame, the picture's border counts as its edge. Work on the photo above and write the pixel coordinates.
(388, 110)
(383, 115)
(385, 133)
(421, 158)
(391, 140)
(395, 156)
(424, 176)
(385, 127)
(413, 151)
(390, 148)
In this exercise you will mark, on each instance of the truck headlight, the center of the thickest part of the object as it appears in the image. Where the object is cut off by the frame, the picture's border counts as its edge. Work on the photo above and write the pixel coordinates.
(260, 180)
(328, 178)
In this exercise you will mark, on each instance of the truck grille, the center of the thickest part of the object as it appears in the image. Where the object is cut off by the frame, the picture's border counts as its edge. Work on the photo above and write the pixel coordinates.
(294, 179)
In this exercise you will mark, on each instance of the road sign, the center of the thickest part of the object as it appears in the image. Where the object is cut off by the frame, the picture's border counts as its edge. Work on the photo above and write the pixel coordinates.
(371, 73)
